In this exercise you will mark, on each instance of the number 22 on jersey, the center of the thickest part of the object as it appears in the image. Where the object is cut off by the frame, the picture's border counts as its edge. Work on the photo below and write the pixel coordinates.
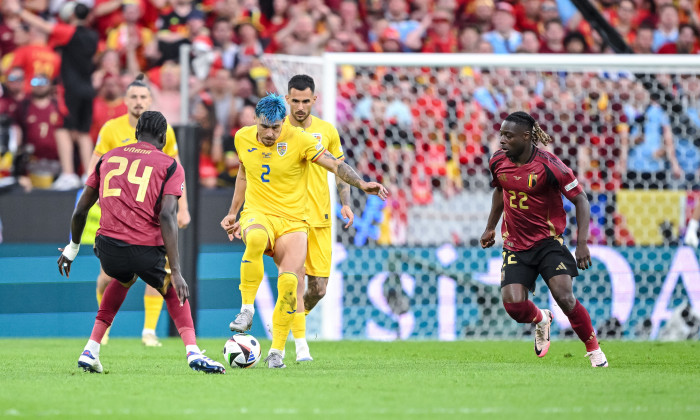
(141, 181)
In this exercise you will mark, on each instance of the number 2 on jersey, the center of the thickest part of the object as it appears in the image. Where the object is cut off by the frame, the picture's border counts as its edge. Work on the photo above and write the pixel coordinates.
(521, 202)
(141, 181)
(264, 174)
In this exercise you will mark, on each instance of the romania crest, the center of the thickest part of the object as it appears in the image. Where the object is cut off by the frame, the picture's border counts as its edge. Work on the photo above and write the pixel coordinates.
(281, 148)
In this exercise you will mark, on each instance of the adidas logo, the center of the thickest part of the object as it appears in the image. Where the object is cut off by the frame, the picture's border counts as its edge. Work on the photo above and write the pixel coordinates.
(561, 266)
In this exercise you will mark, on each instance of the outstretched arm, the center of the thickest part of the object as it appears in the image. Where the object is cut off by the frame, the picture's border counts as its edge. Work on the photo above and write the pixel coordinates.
(229, 223)
(68, 254)
(35, 21)
(344, 193)
(347, 174)
(488, 238)
(583, 218)
(168, 230)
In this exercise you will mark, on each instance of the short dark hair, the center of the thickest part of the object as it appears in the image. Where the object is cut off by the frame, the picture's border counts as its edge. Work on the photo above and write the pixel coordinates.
(153, 124)
(301, 82)
(81, 11)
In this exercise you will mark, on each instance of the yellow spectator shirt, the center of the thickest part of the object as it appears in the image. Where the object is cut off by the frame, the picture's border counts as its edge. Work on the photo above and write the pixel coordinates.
(118, 132)
(319, 193)
(277, 175)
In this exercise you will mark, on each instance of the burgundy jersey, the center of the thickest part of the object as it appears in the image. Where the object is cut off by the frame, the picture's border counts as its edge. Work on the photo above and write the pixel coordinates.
(39, 126)
(132, 181)
(533, 208)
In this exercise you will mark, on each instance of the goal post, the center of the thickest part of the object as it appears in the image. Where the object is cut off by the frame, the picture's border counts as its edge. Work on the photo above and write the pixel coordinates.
(426, 124)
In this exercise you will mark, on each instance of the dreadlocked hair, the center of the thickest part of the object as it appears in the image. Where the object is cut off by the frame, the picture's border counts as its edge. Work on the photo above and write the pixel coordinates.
(151, 123)
(537, 134)
(139, 81)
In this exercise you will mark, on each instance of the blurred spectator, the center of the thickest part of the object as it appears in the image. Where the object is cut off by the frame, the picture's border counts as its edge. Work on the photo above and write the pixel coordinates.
(553, 37)
(575, 43)
(173, 29)
(35, 57)
(78, 45)
(222, 37)
(209, 136)
(249, 46)
(389, 41)
(108, 104)
(167, 97)
(527, 15)
(479, 13)
(644, 40)
(299, 37)
(650, 143)
(107, 14)
(667, 28)
(8, 22)
(469, 39)
(442, 36)
(398, 18)
(687, 42)
(130, 38)
(13, 91)
(108, 64)
(220, 87)
(38, 117)
(353, 25)
(625, 20)
(531, 42)
(503, 38)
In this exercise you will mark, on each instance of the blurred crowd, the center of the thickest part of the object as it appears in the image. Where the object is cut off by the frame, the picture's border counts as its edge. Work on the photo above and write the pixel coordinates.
(418, 130)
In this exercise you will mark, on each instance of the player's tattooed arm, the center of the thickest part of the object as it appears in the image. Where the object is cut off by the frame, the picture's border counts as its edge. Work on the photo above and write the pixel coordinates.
(347, 174)
(344, 193)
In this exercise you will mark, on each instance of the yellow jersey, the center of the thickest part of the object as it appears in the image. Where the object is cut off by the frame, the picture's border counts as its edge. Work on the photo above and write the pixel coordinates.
(118, 132)
(319, 193)
(277, 175)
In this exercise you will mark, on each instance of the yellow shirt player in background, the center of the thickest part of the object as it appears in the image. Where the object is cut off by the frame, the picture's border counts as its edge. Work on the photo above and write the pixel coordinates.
(272, 181)
(119, 132)
(301, 98)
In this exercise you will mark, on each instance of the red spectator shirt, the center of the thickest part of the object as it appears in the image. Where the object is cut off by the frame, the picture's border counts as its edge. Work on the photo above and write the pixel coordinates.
(533, 208)
(132, 181)
(36, 59)
(103, 111)
(39, 126)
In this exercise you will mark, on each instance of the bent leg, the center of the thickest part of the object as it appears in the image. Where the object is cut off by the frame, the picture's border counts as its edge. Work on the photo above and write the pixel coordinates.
(562, 291)
(518, 306)
(290, 253)
(112, 300)
(315, 291)
(252, 269)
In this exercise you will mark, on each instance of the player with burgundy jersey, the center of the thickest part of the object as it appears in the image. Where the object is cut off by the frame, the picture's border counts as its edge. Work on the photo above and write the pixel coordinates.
(529, 183)
(138, 187)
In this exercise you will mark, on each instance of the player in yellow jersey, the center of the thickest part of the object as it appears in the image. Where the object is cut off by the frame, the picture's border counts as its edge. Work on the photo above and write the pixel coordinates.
(272, 181)
(301, 98)
(119, 132)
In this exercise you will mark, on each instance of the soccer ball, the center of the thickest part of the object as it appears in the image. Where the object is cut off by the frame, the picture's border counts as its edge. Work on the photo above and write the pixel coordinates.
(242, 351)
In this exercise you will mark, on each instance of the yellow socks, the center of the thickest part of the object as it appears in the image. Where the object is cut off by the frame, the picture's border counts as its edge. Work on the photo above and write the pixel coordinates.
(99, 298)
(252, 268)
(299, 325)
(152, 306)
(286, 306)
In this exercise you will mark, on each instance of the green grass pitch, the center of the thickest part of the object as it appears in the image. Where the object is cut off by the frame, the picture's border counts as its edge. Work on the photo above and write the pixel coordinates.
(355, 380)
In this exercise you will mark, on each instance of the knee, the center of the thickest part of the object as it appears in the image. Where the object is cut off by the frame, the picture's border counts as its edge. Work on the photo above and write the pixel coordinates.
(519, 311)
(287, 281)
(256, 240)
(566, 302)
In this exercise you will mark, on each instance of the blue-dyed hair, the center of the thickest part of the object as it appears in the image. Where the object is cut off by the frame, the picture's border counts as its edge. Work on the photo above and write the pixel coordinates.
(271, 107)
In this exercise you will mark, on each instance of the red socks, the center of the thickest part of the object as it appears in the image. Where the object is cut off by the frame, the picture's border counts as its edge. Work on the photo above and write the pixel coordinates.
(182, 317)
(581, 324)
(523, 312)
(112, 300)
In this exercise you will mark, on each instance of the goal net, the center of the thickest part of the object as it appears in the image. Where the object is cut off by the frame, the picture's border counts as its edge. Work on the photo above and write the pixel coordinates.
(425, 126)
